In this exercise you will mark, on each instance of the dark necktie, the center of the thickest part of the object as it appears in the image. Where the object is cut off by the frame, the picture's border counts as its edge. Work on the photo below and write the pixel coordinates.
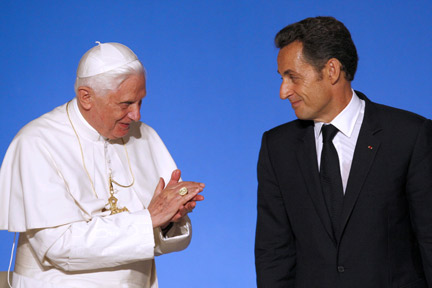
(330, 176)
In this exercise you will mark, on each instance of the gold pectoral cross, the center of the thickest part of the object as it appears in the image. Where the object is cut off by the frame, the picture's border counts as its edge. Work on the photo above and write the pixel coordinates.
(112, 201)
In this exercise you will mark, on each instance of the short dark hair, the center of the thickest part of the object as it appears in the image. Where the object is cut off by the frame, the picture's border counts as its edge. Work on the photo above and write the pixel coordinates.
(323, 38)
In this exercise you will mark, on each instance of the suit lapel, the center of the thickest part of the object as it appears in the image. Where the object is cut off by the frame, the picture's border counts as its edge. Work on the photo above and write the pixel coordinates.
(307, 159)
(366, 148)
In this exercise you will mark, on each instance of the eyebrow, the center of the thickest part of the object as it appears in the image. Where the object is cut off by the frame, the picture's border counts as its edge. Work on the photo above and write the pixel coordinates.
(287, 72)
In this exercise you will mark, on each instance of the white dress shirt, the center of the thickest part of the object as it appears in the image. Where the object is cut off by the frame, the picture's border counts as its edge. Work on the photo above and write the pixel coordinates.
(348, 122)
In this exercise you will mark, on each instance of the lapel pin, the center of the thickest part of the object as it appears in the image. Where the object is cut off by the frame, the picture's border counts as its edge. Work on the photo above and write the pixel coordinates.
(370, 147)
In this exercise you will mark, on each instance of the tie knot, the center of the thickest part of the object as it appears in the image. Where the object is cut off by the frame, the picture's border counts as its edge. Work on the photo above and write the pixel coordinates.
(328, 132)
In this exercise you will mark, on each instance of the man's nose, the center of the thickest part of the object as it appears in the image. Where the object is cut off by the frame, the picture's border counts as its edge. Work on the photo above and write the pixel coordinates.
(135, 113)
(285, 90)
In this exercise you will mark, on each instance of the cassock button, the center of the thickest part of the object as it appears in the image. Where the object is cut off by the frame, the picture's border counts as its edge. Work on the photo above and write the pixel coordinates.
(341, 269)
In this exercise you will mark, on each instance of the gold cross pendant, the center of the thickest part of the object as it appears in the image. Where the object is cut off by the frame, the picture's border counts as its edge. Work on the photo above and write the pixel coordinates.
(112, 201)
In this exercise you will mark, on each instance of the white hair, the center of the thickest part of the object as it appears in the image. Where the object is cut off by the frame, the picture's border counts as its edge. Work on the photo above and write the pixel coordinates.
(110, 80)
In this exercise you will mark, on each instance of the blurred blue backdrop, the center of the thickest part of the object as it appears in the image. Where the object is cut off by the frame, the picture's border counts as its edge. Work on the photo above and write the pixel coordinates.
(212, 91)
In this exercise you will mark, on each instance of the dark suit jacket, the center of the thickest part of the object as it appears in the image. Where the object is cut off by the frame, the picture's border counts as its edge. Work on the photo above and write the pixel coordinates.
(386, 223)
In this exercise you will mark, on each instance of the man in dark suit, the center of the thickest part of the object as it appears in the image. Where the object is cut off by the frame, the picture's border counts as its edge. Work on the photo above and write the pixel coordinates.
(345, 191)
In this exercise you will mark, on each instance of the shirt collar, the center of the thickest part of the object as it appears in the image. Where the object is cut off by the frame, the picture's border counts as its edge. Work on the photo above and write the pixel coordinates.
(82, 126)
(345, 120)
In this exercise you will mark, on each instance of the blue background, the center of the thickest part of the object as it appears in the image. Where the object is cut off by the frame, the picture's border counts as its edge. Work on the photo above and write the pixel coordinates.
(212, 91)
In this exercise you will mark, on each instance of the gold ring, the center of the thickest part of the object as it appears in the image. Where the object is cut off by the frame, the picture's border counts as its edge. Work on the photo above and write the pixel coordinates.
(183, 191)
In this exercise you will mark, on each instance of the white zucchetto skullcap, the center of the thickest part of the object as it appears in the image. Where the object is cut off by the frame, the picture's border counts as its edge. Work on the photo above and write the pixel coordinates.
(103, 58)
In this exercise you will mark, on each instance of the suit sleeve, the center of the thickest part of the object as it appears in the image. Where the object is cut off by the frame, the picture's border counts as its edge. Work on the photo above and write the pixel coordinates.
(419, 191)
(275, 252)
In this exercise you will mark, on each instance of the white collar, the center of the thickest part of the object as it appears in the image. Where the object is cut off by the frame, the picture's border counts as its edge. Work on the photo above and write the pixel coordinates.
(83, 128)
(345, 120)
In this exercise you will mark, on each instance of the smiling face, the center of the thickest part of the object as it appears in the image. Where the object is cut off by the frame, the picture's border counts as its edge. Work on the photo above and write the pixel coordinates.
(112, 114)
(309, 92)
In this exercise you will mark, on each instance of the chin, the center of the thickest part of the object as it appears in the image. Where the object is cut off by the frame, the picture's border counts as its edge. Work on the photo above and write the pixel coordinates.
(304, 114)
(299, 115)
(121, 134)
(304, 117)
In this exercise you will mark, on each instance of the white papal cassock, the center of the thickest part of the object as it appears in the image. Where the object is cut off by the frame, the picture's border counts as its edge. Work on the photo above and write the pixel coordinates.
(66, 239)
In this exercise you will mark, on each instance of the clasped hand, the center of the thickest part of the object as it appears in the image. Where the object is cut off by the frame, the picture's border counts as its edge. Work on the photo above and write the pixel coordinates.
(167, 205)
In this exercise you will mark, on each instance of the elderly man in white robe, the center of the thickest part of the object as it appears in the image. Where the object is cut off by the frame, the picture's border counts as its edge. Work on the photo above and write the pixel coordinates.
(85, 185)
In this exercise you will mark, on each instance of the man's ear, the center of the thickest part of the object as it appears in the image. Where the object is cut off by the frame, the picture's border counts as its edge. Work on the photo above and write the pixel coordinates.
(84, 96)
(333, 69)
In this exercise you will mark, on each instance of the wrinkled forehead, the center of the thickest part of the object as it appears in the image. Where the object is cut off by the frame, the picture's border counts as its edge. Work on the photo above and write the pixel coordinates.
(132, 88)
(290, 55)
